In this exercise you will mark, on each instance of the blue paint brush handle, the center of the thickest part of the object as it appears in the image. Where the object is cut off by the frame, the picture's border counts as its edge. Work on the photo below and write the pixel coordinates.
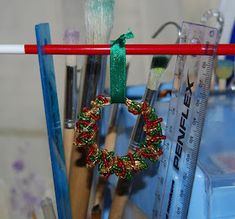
(54, 132)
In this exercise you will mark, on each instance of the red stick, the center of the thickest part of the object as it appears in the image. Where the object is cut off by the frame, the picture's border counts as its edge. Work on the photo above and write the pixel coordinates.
(136, 49)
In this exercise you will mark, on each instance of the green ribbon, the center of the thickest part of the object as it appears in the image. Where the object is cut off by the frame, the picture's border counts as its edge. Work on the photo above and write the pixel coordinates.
(118, 68)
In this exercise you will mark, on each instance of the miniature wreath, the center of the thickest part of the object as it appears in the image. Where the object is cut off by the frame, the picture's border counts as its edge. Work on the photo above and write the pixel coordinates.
(123, 166)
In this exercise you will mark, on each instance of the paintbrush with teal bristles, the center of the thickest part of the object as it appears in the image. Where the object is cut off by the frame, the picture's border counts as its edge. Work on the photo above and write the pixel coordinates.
(98, 20)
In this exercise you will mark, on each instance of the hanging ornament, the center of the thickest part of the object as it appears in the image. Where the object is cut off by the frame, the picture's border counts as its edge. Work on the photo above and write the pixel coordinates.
(123, 166)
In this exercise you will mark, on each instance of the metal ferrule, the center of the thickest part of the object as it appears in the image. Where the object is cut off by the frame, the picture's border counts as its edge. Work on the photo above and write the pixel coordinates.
(70, 97)
(93, 79)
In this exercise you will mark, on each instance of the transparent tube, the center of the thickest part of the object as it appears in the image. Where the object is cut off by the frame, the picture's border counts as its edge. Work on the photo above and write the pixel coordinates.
(48, 209)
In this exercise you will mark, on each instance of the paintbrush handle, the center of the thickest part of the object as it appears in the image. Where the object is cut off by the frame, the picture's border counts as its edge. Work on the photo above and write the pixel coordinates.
(137, 136)
(70, 107)
(109, 145)
(80, 179)
(99, 195)
(70, 100)
(97, 214)
(68, 135)
(111, 138)
(120, 199)
(34, 216)
(48, 209)
(89, 80)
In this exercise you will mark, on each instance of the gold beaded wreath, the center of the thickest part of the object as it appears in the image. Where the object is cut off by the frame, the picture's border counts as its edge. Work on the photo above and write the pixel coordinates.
(86, 131)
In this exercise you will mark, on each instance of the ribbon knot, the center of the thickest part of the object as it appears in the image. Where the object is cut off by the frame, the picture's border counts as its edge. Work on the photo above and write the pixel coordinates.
(122, 39)
(118, 68)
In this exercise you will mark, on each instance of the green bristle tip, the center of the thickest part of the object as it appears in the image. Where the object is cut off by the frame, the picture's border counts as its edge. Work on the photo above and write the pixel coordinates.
(160, 62)
(224, 69)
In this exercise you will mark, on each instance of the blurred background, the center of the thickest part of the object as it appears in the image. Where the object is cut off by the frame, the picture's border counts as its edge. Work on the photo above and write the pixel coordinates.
(24, 156)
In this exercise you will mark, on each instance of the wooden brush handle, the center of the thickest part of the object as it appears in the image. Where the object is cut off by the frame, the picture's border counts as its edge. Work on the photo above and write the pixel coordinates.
(97, 214)
(99, 195)
(80, 178)
(110, 139)
(120, 199)
(68, 135)
(99, 198)
(34, 215)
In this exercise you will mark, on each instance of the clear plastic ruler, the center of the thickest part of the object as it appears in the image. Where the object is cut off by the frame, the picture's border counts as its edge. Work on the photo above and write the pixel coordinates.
(186, 116)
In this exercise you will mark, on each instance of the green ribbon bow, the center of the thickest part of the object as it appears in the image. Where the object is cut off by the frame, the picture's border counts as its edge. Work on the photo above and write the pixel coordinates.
(118, 68)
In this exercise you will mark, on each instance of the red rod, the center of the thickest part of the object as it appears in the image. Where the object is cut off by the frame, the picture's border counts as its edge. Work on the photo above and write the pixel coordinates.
(136, 49)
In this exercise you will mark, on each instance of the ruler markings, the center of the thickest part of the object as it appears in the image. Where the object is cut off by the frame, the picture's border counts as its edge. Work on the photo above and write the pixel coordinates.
(186, 116)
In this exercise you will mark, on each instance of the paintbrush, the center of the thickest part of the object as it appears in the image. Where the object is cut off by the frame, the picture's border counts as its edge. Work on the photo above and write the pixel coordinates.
(34, 216)
(109, 145)
(158, 67)
(48, 209)
(70, 102)
(99, 18)
(223, 70)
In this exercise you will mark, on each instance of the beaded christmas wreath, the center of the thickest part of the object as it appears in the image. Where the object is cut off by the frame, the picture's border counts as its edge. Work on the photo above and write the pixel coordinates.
(85, 136)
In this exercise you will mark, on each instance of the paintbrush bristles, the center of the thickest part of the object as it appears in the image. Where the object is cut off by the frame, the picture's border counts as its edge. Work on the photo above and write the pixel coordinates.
(98, 20)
